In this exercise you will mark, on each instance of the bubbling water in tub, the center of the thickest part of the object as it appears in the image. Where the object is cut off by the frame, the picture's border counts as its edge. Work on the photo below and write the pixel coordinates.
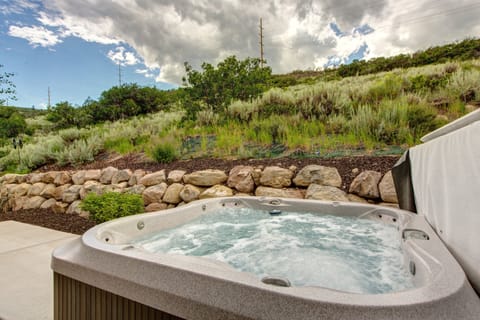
(341, 253)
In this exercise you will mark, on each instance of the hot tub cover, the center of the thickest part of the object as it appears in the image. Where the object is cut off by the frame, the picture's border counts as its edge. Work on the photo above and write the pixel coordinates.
(445, 175)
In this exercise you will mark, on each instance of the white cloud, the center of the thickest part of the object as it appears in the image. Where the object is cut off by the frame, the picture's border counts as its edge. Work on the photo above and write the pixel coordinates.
(147, 72)
(16, 6)
(297, 34)
(36, 36)
(123, 57)
(97, 30)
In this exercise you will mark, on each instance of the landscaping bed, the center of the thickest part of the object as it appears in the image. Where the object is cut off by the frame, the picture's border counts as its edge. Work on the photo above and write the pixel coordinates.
(78, 225)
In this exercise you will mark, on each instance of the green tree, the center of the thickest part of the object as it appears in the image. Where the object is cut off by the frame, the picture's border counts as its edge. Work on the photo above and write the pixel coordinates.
(63, 114)
(7, 87)
(128, 100)
(232, 79)
(12, 123)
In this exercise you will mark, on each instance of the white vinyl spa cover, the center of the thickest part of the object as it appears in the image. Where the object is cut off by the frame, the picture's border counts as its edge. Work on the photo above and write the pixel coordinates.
(445, 175)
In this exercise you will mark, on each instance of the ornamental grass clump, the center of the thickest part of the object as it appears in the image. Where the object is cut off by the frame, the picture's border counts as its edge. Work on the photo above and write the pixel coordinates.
(164, 153)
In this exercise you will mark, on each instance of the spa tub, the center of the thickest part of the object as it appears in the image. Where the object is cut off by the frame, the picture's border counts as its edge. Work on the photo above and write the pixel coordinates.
(103, 275)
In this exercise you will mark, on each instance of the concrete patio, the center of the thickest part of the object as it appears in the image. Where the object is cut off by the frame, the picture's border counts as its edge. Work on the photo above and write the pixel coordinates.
(26, 280)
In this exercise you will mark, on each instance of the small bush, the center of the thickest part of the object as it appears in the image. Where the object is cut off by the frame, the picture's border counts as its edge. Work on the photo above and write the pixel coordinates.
(164, 153)
(421, 120)
(112, 205)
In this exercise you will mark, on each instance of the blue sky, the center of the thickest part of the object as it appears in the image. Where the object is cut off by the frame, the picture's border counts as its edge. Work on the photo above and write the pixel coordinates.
(75, 47)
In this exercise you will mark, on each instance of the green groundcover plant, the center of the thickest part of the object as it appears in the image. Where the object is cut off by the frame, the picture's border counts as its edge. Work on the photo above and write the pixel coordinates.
(112, 205)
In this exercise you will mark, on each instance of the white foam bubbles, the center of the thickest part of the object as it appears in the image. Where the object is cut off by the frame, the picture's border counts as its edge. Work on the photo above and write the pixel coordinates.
(342, 253)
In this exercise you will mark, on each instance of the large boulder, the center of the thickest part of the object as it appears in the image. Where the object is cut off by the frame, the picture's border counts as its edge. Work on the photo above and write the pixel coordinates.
(276, 177)
(11, 178)
(7, 189)
(47, 204)
(58, 194)
(59, 207)
(35, 177)
(241, 179)
(175, 176)
(205, 178)
(190, 193)
(72, 193)
(36, 189)
(366, 184)
(387, 188)
(325, 176)
(62, 177)
(217, 191)
(21, 190)
(49, 177)
(75, 208)
(136, 176)
(93, 174)
(91, 186)
(156, 206)
(154, 178)
(121, 176)
(279, 193)
(85, 175)
(49, 191)
(256, 175)
(34, 202)
(78, 177)
(154, 193)
(136, 189)
(107, 175)
(18, 203)
(327, 193)
(172, 195)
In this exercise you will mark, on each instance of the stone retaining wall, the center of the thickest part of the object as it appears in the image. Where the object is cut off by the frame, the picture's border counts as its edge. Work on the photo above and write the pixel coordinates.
(62, 191)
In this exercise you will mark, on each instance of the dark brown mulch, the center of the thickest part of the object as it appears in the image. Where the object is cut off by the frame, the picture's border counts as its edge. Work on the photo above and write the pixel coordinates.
(78, 225)
(138, 161)
(48, 219)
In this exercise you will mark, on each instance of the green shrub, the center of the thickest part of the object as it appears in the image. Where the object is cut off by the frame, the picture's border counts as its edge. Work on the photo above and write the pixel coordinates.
(164, 153)
(421, 120)
(112, 205)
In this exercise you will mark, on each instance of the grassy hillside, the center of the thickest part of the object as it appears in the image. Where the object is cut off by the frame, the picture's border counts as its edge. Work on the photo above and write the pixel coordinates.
(382, 112)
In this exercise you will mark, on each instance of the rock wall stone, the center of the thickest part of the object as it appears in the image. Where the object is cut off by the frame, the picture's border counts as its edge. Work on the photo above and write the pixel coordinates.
(276, 177)
(55, 191)
(326, 193)
(325, 176)
(387, 188)
(366, 184)
(205, 178)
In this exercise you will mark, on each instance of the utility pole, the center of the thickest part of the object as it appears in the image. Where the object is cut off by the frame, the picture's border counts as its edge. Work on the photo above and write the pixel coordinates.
(261, 43)
(119, 75)
(48, 105)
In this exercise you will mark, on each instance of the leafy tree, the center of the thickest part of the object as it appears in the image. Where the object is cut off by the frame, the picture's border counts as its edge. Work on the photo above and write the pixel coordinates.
(63, 114)
(128, 100)
(232, 79)
(463, 50)
(12, 123)
(7, 87)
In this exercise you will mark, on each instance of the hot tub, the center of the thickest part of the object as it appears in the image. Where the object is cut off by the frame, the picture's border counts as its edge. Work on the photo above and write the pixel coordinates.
(107, 275)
